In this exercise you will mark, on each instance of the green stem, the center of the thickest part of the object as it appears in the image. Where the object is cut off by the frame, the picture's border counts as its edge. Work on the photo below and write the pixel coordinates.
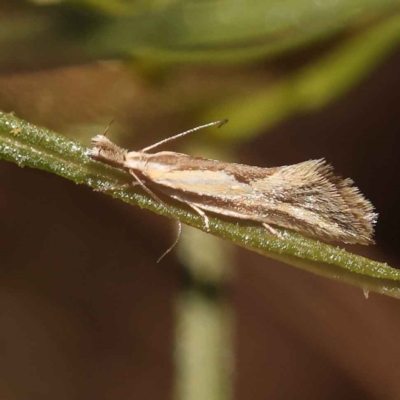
(28, 145)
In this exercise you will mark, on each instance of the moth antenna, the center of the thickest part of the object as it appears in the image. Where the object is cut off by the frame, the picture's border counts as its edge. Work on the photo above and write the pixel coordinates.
(108, 127)
(156, 198)
(219, 123)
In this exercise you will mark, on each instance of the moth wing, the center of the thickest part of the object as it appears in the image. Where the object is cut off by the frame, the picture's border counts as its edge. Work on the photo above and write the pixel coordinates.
(305, 197)
(309, 198)
(201, 183)
(295, 183)
(195, 175)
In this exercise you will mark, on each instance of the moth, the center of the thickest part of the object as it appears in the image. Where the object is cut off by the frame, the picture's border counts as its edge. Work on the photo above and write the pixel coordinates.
(307, 197)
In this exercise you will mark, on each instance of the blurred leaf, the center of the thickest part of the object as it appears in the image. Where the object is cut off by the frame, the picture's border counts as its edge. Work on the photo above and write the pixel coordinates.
(230, 31)
(310, 88)
(28, 145)
(122, 7)
(168, 32)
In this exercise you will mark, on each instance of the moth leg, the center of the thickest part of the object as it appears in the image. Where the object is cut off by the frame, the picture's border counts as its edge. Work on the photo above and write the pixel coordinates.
(270, 229)
(202, 214)
(156, 198)
(199, 211)
(116, 187)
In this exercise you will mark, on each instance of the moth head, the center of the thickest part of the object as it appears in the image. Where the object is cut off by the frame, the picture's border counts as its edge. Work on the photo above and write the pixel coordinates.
(104, 150)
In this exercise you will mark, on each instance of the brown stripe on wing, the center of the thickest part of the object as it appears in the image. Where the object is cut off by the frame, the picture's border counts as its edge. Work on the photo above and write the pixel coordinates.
(182, 162)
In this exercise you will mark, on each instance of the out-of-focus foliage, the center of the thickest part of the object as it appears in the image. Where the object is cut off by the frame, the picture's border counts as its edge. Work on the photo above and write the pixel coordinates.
(312, 86)
(182, 31)
(156, 35)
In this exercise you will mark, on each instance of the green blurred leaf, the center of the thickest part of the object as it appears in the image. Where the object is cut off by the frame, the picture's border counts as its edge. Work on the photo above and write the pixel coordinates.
(51, 33)
(311, 87)
(228, 31)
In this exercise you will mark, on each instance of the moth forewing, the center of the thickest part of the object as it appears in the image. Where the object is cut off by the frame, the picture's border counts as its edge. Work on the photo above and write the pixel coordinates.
(306, 197)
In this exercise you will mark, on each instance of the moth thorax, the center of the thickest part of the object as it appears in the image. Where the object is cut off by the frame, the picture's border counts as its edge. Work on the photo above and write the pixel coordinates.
(136, 160)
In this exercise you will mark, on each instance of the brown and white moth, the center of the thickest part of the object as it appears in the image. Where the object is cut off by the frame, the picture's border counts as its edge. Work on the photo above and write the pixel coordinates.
(306, 197)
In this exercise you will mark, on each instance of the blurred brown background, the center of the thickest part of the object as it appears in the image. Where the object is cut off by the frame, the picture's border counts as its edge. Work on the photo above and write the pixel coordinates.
(85, 310)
